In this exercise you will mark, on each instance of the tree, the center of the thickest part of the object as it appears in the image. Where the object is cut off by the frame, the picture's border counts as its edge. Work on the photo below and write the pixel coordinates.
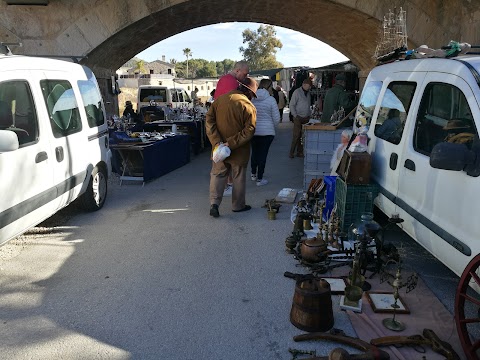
(224, 66)
(180, 69)
(140, 67)
(198, 68)
(261, 48)
(208, 69)
(188, 53)
(173, 61)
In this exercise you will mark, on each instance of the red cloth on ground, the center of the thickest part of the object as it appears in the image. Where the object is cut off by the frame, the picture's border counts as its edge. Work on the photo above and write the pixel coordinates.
(426, 311)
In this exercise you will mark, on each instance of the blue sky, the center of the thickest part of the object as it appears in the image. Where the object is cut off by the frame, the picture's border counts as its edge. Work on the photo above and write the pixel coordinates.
(222, 41)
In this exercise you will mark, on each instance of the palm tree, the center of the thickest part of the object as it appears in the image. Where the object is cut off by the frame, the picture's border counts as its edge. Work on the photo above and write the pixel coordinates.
(188, 53)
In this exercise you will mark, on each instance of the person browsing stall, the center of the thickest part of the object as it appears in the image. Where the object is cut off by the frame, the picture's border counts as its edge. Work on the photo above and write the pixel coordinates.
(231, 120)
(301, 112)
(194, 96)
(267, 118)
(129, 110)
(335, 98)
(282, 101)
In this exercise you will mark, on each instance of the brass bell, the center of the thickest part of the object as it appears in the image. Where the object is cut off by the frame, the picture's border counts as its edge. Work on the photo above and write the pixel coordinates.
(307, 225)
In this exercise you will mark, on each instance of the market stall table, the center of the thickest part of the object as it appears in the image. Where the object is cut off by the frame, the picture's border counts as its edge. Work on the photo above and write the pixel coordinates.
(196, 129)
(149, 160)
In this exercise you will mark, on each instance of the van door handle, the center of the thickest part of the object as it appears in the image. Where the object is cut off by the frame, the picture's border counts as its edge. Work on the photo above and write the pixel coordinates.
(393, 161)
(59, 153)
(410, 165)
(41, 156)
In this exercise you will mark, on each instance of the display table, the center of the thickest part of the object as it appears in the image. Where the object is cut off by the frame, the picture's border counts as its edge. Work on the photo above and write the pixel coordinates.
(147, 161)
(195, 128)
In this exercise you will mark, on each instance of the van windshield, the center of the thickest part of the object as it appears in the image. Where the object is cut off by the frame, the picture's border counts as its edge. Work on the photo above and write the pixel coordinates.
(158, 95)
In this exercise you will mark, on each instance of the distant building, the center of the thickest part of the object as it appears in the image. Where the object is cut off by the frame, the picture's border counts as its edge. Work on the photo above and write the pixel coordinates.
(157, 72)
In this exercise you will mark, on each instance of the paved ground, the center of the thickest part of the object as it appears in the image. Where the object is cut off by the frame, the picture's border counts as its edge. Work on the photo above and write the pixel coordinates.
(153, 276)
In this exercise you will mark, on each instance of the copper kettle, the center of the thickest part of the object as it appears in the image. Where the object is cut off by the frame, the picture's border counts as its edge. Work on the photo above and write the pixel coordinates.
(313, 250)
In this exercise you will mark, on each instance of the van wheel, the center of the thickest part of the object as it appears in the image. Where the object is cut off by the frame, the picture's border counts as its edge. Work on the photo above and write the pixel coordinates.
(96, 193)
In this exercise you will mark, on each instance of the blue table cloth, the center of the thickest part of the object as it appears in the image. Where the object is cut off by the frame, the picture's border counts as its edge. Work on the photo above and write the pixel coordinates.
(196, 130)
(153, 159)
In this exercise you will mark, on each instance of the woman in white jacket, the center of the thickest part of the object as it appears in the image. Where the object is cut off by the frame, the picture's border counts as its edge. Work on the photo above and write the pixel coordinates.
(268, 117)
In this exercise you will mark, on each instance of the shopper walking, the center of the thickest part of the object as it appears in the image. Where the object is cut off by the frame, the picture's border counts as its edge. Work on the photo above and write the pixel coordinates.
(227, 83)
(231, 120)
(267, 118)
(300, 110)
(282, 101)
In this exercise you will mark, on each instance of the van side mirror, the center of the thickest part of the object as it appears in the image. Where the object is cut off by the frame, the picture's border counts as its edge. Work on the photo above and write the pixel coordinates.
(456, 157)
(8, 141)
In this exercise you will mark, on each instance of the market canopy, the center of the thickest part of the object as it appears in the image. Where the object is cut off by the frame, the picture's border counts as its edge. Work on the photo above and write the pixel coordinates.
(270, 73)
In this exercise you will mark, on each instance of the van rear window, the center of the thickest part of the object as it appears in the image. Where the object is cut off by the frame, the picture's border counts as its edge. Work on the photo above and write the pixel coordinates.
(17, 111)
(62, 107)
(92, 101)
(147, 95)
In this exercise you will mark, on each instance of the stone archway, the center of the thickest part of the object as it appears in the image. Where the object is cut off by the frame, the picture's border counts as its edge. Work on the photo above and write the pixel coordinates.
(110, 32)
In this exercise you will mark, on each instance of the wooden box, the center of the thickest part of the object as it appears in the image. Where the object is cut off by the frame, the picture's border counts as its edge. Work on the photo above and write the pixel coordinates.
(354, 168)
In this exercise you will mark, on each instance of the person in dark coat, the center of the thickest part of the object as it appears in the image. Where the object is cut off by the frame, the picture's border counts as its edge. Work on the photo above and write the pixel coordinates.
(129, 110)
(335, 98)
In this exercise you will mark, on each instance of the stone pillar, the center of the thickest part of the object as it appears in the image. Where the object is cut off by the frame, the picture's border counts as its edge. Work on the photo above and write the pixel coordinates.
(106, 82)
(362, 77)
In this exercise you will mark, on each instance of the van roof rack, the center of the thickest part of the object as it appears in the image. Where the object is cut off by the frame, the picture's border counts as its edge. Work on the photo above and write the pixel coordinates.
(423, 52)
(449, 47)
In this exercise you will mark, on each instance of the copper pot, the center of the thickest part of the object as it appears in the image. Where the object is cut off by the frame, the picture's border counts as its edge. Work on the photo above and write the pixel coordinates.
(313, 250)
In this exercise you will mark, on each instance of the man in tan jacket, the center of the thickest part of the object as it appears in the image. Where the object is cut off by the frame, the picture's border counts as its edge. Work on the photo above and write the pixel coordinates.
(231, 120)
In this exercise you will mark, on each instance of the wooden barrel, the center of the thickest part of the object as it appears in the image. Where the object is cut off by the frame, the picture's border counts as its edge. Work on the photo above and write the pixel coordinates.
(312, 306)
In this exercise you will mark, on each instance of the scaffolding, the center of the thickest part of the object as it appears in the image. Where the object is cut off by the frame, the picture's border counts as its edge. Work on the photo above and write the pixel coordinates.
(393, 35)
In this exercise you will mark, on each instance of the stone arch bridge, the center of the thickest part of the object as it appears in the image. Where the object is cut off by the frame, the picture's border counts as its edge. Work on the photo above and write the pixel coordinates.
(110, 32)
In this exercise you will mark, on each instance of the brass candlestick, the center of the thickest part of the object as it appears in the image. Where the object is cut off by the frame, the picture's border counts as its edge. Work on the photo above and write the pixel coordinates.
(392, 323)
(353, 292)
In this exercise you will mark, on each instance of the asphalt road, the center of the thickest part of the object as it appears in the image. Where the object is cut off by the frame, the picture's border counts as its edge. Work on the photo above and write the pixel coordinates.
(153, 276)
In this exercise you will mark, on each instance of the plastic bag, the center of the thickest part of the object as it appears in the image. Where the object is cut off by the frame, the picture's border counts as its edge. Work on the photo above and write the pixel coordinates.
(220, 152)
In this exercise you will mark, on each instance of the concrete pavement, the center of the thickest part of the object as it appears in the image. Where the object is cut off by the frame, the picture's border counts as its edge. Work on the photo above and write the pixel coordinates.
(153, 276)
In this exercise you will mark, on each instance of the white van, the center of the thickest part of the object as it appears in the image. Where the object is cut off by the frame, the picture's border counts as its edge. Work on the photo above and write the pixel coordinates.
(53, 141)
(424, 117)
(162, 96)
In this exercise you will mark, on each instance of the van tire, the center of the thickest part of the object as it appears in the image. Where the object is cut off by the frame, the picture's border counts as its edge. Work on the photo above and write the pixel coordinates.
(96, 193)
